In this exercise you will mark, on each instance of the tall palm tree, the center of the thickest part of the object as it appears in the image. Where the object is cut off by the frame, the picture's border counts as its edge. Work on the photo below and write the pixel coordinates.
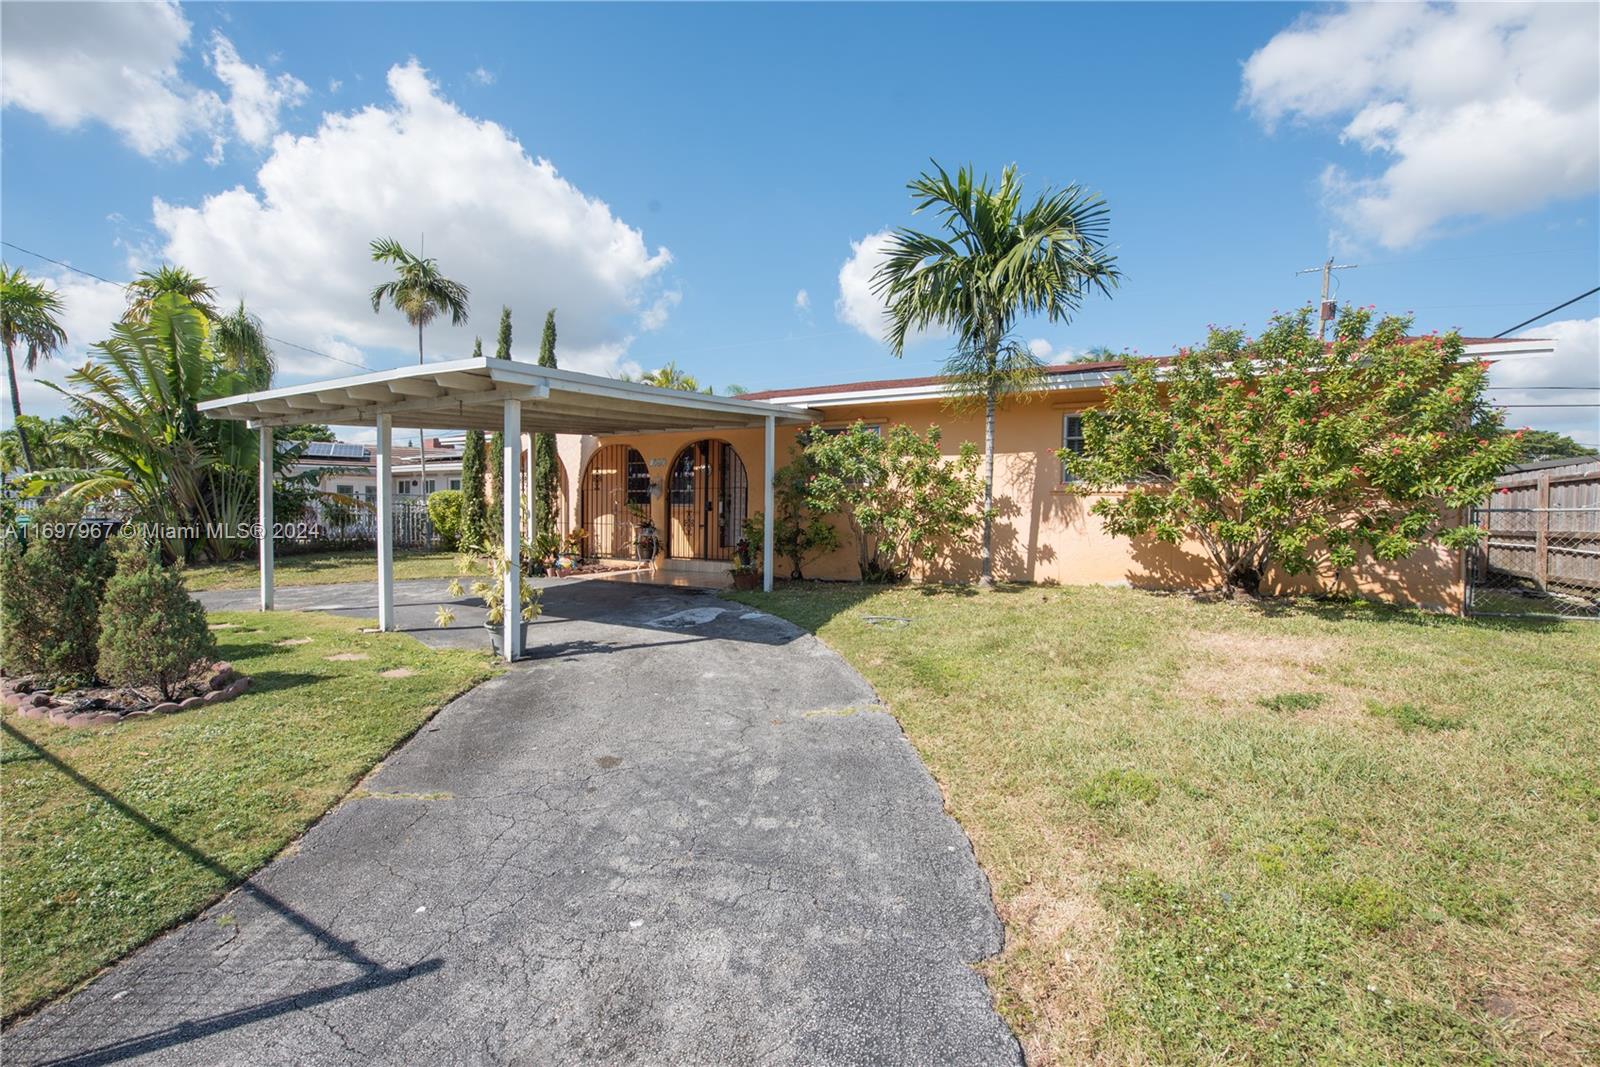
(150, 284)
(241, 343)
(28, 313)
(418, 291)
(995, 261)
(421, 293)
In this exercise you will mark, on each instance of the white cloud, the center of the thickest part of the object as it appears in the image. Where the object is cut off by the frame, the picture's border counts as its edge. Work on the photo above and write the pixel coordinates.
(334, 85)
(1470, 110)
(655, 316)
(254, 98)
(857, 305)
(507, 226)
(1576, 362)
(802, 302)
(1040, 348)
(111, 63)
(480, 76)
(117, 64)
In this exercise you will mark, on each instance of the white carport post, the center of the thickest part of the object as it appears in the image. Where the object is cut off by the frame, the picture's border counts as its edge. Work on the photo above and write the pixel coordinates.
(264, 515)
(770, 448)
(511, 531)
(384, 520)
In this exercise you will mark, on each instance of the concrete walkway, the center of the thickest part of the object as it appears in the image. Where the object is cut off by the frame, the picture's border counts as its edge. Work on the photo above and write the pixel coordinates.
(681, 834)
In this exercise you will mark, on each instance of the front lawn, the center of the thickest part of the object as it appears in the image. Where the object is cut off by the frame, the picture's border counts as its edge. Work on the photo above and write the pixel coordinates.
(114, 834)
(1287, 833)
(321, 568)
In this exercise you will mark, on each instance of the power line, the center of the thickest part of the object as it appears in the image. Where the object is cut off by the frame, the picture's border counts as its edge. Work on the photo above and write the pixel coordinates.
(124, 285)
(1552, 311)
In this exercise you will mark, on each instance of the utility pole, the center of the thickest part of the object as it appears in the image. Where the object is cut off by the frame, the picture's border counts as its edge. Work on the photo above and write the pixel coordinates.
(1325, 308)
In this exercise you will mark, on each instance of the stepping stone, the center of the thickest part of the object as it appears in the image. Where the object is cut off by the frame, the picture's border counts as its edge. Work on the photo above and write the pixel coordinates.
(290, 642)
(347, 657)
(398, 672)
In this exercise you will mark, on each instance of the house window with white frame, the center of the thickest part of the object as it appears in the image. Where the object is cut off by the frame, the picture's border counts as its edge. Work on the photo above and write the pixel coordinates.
(1072, 441)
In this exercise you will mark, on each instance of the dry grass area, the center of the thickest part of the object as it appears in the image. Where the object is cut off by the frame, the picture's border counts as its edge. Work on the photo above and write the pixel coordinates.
(1294, 832)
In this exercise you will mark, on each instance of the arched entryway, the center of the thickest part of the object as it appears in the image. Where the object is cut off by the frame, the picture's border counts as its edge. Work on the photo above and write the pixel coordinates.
(615, 481)
(708, 497)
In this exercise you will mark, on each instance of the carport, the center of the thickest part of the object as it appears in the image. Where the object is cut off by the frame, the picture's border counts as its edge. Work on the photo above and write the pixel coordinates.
(489, 394)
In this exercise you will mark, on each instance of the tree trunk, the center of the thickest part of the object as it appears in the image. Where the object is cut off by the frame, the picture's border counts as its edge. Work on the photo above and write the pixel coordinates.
(422, 435)
(1242, 581)
(986, 566)
(16, 410)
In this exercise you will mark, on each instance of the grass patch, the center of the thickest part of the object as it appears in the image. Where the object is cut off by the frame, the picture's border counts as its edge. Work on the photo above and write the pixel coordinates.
(1290, 702)
(1410, 717)
(1113, 788)
(1184, 879)
(324, 568)
(112, 835)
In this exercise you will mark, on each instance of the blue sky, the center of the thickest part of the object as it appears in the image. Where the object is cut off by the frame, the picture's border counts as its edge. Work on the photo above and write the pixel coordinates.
(710, 163)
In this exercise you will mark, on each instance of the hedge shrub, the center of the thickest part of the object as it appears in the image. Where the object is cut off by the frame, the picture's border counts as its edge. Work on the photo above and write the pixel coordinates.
(50, 593)
(152, 633)
(444, 510)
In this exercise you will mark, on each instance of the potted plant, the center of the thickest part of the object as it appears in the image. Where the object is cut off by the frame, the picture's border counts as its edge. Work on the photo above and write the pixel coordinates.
(492, 592)
(646, 542)
(746, 570)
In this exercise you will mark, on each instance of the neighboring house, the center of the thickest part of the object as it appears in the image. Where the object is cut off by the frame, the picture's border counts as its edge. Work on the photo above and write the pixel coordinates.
(698, 490)
(350, 470)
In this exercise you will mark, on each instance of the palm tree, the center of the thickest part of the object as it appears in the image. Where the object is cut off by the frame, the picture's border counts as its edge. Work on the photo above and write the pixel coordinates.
(241, 343)
(137, 419)
(995, 262)
(150, 284)
(420, 293)
(28, 313)
(670, 377)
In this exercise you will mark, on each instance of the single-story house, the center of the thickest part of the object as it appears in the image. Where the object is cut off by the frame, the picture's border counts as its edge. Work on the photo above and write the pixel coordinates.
(697, 488)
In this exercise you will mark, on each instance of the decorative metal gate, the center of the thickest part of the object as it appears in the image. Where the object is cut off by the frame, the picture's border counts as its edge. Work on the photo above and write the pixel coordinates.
(708, 497)
(615, 482)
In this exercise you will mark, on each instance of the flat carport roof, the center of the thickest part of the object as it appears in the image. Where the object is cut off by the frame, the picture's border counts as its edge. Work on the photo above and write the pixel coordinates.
(489, 394)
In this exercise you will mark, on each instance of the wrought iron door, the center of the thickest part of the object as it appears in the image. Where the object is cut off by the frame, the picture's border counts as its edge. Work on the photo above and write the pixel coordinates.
(708, 498)
(615, 482)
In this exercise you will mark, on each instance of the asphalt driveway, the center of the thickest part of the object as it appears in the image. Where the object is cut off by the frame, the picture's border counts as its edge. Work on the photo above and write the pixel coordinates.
(682, 834)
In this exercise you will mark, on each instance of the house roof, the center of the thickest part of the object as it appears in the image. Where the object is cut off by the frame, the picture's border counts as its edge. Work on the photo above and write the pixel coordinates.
(1070, 376)
(472, 394)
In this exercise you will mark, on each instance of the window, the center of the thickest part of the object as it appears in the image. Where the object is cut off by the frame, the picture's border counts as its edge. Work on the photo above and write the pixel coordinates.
(345, 490)
(455, 483)
(429, 490)
(1072, 441)
(371, 493)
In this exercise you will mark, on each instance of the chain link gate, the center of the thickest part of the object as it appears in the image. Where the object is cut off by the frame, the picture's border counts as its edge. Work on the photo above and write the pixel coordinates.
(1535, 559)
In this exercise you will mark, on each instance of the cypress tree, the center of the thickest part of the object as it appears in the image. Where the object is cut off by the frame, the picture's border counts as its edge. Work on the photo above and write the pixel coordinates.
(474, 506)
(546, 481)
(497, 451)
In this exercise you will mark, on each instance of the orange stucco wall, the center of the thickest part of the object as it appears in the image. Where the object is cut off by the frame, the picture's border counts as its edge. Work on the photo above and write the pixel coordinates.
(1042, 532)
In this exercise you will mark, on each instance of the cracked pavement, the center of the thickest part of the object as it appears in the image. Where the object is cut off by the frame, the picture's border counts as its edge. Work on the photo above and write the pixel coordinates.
(642, 845)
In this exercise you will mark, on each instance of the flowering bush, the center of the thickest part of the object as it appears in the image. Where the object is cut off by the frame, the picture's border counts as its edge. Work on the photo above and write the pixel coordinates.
(1283, 450)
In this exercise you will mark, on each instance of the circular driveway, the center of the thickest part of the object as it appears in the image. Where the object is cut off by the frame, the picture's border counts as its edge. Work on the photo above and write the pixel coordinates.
(682, 833)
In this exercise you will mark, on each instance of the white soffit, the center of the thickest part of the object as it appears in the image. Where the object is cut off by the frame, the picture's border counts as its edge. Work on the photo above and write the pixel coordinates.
(469, 394)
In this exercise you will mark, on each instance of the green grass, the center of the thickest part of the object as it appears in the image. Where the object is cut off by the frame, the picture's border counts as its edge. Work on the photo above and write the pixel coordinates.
(325, 568)
(112, 835)
(1287, 833)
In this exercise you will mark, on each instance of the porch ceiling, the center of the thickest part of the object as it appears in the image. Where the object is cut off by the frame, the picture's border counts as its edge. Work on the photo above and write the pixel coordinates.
(468, 394)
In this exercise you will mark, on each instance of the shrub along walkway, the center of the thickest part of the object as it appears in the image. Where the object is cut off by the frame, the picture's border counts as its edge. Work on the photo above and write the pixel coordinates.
(683, 833)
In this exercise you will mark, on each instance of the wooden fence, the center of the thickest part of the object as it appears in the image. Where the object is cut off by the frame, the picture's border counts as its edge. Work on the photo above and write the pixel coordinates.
(1546, 527)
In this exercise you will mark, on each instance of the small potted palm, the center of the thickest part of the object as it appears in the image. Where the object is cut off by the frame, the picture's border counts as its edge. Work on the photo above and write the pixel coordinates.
(646, 542)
